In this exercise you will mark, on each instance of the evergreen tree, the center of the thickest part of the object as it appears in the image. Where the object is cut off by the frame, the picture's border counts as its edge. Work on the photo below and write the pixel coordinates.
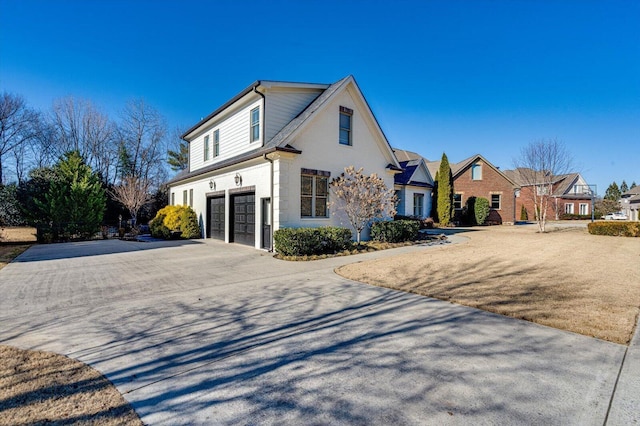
(633, 184)
(76, 200)
(613, 192)
(445, 192)
(624, 187)
(179, 160)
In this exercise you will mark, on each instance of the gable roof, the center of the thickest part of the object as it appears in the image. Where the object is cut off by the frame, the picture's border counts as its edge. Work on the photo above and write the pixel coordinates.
(409, 172)
(404, 155)
(634, 190)
(280, 141)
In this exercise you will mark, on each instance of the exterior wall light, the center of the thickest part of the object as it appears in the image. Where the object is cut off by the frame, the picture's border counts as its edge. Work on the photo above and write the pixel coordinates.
(238, 179)
(212, 184)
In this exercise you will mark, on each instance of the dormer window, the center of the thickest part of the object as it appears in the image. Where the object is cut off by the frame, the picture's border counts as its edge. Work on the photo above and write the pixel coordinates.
(345, 125)
(255, 124)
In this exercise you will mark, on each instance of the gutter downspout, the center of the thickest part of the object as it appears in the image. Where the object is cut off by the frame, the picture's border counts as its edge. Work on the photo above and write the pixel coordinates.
(272, 201)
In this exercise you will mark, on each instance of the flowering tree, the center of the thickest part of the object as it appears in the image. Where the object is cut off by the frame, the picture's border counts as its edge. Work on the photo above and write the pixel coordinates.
(362, 198)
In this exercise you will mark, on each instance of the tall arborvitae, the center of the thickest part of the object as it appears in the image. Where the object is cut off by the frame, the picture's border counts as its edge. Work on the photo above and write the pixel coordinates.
(445, 192)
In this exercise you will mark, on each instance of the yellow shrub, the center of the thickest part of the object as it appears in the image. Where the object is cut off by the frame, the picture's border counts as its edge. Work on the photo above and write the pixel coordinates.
(172, 215)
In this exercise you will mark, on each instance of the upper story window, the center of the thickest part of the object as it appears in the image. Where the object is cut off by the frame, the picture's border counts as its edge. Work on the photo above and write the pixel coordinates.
(495, 201)
(345, 126)
(457, 201)
(206, 148)
(255, 124)
(418, 205)
(216, 143)
(314, 193)
(476, 171)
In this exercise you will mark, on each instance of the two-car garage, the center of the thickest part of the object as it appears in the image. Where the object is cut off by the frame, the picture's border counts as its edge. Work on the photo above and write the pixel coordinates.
(242, 217)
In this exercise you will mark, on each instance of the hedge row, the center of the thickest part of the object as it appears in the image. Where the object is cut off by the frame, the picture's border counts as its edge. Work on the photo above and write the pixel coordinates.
(616, 229)
(395, 231)
(568, 216)
(311, 241)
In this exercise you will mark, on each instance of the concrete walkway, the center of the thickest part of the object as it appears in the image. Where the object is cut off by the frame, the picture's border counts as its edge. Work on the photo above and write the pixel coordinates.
(211, 333)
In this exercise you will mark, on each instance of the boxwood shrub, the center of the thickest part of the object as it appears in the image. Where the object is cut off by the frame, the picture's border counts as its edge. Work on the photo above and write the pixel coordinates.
(311, 241)
(616, 229)
(395, 231)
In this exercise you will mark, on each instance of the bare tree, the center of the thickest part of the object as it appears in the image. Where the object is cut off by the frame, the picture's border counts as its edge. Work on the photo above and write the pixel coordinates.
(141, 147)
(132, 193)
(81, 127)
(539, 165)
(17, 125)
(362, 198)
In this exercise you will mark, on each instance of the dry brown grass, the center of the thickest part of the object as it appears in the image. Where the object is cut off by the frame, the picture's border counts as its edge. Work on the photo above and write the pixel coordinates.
(45, 388)
(567, 279)
(18, 234)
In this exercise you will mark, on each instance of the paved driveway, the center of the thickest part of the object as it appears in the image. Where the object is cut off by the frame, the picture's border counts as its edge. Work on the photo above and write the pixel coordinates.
(211, 333)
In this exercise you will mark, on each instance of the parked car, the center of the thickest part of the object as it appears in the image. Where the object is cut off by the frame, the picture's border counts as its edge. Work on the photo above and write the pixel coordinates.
(616, 216)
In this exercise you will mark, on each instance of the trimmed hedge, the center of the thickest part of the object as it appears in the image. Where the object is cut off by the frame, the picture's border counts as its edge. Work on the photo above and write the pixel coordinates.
(395, 231)
(616, 229)
(311, 241)
(568, 216)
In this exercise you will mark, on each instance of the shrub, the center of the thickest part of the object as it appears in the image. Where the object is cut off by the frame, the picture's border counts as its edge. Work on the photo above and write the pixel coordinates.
(175, 218)
(616, 229)
(428, 223)
(311, 241)
(568, 216)
(481, 210)
(395, 231)
(524, 215)
(158, 228)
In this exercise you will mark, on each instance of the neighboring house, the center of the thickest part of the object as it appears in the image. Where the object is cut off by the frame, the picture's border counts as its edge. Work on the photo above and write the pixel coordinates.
(630, 203)
(570, 193)
(413, 186)
(264, 160)
(477, 177)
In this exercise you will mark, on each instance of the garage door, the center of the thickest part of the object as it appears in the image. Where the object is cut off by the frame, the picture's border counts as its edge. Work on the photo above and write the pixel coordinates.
(244, 219)
(216, 218)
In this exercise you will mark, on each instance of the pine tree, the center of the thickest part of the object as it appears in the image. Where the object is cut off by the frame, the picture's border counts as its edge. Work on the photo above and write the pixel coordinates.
(445, 192)
(613, 192)
(179, 160)
(624, 187)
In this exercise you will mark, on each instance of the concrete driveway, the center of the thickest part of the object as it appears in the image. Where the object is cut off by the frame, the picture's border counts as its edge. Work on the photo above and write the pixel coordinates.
(211, 333)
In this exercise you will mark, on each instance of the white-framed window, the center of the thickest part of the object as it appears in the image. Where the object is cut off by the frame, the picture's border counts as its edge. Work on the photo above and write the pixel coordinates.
(346, 115)
(542, 189)
(476, 171)
(206, 148)
(173, 198)
(255, 124)
(314, 193)
(496, 201)
(584, 208)
(418, 205)
(191, 197)
(184, 197)
(457, 201)
(216, 143)
(568, 208)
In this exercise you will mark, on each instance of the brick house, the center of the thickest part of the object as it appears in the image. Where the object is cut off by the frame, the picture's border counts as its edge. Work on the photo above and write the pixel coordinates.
(477, 177)
(569, 194)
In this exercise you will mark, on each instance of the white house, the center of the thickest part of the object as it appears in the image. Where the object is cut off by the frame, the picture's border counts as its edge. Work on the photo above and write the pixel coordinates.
(413, 186)
(264, 160)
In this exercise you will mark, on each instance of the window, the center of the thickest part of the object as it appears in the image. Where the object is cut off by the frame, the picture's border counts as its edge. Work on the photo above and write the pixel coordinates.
(584, 208)
(542, 189)
(457, 201)
(191, 197)
(476, 171)
(418, 205)
(184, 197)
(255, 124)
(345, 125)
(495, 201)
(314, 193)
(206, 148)
(568, 208)
(173, 198)
(216, 143)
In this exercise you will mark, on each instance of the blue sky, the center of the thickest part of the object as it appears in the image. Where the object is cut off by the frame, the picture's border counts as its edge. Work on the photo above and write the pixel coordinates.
(460, 77)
